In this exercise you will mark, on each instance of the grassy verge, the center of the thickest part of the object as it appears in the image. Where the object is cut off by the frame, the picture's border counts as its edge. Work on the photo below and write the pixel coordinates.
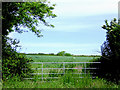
(67, 81)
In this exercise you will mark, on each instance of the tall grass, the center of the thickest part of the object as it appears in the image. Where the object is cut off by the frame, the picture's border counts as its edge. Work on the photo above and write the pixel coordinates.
(67, 81)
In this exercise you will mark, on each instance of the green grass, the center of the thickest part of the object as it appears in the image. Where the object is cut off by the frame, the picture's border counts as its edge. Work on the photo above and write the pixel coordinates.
(65, 81)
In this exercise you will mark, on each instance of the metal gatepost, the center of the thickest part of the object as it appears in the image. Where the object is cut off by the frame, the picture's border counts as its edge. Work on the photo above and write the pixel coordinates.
(63, 67)
(42, 71)
(85, 68)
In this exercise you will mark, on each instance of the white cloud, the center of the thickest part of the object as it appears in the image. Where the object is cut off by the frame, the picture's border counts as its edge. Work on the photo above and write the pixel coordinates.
(71, 9)
(84, 7)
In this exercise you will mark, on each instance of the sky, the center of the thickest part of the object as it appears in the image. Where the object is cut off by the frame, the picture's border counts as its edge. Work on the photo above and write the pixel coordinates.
(77, 28)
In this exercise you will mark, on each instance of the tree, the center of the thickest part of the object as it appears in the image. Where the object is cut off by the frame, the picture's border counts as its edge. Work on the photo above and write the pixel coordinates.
(26, 14)
(111, 47)
(62, 53)
(109, 67)
(111, 50)
(68, 54)
(17, 14)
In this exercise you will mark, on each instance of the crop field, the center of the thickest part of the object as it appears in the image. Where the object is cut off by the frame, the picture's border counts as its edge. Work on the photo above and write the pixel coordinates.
(44, 58)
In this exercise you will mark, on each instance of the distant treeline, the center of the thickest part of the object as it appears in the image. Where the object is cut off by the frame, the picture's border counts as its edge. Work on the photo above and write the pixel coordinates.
(60, 54)
(37, 54)
(87, 55)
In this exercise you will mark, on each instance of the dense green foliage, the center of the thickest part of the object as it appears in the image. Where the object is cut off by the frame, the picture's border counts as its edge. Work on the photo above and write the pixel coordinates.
(13, 62)
(63, 53)
(111, 47)
(17, 14)
(109, 67)
(26, 14)
(68, 54)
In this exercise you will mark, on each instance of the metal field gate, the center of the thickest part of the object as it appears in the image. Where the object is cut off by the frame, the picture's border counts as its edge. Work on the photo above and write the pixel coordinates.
(44, 71)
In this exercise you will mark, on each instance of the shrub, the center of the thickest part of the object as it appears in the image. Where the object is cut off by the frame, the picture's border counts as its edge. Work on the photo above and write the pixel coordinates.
(68, 54)
(63, 53)
(13, 62)
(11, 66)
(110, 53)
